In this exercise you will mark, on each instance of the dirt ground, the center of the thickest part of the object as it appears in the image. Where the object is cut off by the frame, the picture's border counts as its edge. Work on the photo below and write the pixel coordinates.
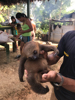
(10, 86)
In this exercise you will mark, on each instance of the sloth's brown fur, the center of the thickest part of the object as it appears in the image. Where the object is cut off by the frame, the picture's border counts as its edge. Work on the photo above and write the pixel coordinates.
(35, 64)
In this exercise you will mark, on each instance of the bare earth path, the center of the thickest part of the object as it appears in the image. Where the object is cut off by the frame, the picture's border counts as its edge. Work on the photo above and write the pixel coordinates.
(10, 86)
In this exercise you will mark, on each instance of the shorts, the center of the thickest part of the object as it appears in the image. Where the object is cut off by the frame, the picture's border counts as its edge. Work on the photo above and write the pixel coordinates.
(26, 38)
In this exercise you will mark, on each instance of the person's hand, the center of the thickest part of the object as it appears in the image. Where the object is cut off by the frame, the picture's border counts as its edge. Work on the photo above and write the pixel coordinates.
(17, 36)
(21, 31)
(1, 32)
(49, 77)
(13, 25)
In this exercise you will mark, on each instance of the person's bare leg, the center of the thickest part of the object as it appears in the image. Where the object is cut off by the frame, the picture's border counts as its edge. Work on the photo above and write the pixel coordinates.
(17, 44)
(21, 46)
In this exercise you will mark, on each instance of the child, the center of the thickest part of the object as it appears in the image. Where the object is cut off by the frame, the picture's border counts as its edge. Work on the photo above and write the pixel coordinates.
(18, 28)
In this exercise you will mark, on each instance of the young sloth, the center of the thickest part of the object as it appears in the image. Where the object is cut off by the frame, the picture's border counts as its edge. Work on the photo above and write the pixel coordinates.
(35, 64)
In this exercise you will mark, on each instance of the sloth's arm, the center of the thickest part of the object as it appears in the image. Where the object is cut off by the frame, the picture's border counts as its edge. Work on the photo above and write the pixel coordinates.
(51, 58)
(21, 68)
(47, 48)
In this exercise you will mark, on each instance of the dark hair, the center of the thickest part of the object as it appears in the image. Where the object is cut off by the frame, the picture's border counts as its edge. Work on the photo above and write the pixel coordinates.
(30, 18)
(18, 26)
(12, 17)
(19, 15)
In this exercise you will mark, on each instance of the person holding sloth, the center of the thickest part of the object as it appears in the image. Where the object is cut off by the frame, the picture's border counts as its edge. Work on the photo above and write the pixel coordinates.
(65, 79)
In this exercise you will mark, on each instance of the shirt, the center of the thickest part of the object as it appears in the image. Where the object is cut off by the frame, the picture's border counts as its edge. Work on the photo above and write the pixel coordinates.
(66, 48)
(26, 27)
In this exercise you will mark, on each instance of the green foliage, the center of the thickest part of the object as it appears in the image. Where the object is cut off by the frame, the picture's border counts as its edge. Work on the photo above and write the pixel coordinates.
(60, 8)
(40, 13)
(45, 26)
(47, 8)
(38, 24)
(0, 25)
(1, 18)
(7, 12)
(39, 31)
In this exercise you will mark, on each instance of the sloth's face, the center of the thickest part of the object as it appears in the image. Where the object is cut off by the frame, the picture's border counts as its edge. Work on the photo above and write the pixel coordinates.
(34, 54)
(32, 50)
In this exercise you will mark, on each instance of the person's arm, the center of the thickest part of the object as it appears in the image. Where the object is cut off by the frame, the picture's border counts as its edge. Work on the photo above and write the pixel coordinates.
(35, 28)
(52, 76)
(28, 22)
(11, 24)
(68, 83)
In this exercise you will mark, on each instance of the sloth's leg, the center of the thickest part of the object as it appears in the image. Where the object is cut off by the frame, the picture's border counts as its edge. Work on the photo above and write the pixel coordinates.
(35, 85)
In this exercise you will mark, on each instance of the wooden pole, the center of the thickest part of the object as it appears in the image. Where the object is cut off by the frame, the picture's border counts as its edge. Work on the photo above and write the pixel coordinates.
(74, 24)
(28, 8)
(0, 5)
(49, 34)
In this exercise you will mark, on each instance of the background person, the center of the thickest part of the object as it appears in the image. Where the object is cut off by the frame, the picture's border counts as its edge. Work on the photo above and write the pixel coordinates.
(14, 21)
(19, 28)
(34, 29)
(13, 24)
(26, 29)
